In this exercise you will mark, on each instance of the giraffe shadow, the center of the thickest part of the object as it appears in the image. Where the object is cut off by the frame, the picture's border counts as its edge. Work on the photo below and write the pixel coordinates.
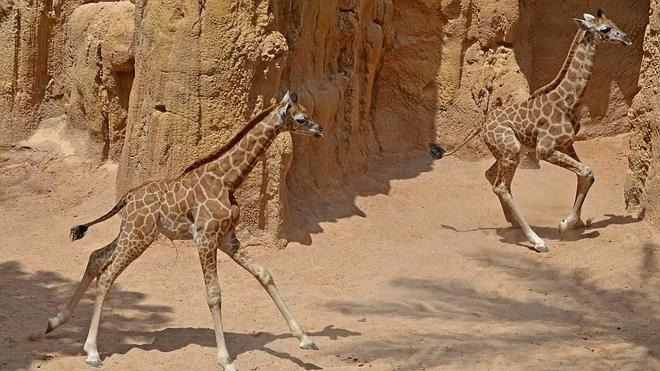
(29, 298)
(516, 236)
(173, 339)
(568, 302)
(309, 210)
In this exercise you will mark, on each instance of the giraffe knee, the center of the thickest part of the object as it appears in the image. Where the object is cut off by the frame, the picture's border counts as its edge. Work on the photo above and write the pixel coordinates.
(588, 175)
(500, 189)
(264, 277)
(103, 284)
(213, 298)
(96, 260)
(544, 153)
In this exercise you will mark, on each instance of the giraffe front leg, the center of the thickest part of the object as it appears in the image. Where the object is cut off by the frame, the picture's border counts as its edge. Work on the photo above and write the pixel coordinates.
(491, 175)
(501, 188)
(233, 249)
(585, 179)
(208, 258)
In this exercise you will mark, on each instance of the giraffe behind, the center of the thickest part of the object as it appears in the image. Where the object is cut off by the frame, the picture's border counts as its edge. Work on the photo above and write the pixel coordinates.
(545, 125)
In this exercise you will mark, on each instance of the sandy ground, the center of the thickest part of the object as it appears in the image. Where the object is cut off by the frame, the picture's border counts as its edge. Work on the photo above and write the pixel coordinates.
(412, 268)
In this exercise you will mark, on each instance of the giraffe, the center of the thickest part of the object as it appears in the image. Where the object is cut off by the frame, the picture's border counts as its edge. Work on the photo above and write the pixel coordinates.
(545, 125)
(197, 205)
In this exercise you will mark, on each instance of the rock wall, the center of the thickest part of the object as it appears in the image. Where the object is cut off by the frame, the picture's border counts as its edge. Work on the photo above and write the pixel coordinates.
(35, 55)
(99, 73)
(24, 30)
(383, 76)
(201, 72)
(642, 188)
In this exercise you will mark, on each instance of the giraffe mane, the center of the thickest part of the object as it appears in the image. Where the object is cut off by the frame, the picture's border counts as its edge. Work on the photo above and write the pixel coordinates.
(232, 142)
(564, 69)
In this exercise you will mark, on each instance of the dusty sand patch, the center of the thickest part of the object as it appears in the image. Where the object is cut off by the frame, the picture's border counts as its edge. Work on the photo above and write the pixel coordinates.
(415, 273)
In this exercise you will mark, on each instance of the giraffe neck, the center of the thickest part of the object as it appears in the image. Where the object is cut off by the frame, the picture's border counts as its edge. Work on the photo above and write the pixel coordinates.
(234, 165)
(573, 80)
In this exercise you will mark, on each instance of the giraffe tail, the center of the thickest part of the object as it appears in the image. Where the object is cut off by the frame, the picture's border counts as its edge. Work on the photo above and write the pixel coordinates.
(79, 231)
(438, 152)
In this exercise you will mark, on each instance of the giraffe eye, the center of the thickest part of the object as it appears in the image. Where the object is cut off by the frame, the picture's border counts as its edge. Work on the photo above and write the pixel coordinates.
(605, 29)
(301, 120)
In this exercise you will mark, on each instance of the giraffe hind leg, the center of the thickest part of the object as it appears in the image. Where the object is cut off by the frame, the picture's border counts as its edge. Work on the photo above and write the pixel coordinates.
(97, 260)
(130, 245)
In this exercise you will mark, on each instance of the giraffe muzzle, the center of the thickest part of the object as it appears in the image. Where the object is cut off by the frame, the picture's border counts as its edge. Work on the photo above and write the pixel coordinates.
(317, 131)
(626, 40)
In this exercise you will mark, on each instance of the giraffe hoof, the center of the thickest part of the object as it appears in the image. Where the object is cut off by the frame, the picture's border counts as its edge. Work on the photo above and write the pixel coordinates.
(308, 345)
(542, 247)
(229, 367)
(566, 225)
(96, 363)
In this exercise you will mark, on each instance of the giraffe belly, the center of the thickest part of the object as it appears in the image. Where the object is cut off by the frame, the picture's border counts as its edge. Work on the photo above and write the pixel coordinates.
(175, 230)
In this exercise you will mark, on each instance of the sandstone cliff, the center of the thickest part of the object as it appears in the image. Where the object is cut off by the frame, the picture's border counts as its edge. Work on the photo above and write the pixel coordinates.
(24, 35)
(642, 187)
(99, 73)
(383, 76)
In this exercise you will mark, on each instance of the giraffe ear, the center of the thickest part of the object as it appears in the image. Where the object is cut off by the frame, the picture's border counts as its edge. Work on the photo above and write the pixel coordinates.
(589, 18)
(293, 96)
(290, 97)
(287, 97)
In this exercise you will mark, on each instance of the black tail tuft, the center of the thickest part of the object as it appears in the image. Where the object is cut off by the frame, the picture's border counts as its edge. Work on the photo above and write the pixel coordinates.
(436, 151)
(78, 232)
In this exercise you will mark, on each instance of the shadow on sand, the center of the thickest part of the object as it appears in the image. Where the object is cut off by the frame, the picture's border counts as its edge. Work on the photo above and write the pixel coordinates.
(172, 339)
(28, 299)
(560, 308)
(515, 235)
(308, 213)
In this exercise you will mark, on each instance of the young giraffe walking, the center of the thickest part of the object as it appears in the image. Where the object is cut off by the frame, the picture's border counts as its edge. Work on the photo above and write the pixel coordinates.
(198, 205)
(545, 125)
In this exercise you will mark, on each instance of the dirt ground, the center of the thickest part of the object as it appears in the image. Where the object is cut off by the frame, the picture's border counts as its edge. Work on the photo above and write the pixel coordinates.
(410, 267)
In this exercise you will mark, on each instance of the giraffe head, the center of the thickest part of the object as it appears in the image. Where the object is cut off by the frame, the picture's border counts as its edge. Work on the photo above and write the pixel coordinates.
(603, 28)
(294, 118)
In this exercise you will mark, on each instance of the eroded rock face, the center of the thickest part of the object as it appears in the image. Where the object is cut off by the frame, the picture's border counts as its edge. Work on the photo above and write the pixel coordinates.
(24, 29)
(642, 189)
(202, 71)
(382, 76)
(100, 72)
(34, 82)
